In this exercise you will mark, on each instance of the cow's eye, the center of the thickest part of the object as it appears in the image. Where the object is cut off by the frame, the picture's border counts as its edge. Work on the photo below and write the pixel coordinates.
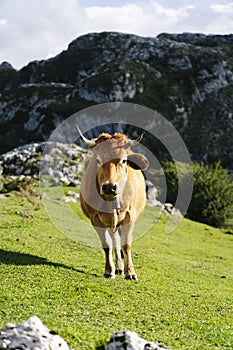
(124, 161)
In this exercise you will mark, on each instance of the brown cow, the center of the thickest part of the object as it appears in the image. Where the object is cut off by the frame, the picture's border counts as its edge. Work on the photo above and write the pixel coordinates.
(112, 196)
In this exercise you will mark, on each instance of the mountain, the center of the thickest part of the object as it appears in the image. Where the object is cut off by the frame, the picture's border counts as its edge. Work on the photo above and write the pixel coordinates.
(188, 78)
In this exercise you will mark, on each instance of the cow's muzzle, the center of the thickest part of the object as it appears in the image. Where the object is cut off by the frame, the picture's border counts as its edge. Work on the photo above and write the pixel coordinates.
(109, 189)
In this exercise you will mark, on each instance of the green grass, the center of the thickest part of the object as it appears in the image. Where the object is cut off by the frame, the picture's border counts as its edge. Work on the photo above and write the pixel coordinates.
(183, 297)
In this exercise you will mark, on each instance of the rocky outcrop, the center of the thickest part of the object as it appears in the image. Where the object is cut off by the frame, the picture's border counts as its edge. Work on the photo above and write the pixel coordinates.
(188, 78)
(6, 66)
(152, 201)
(152, 194)
(30, 335)
(131, 341)
(62, 163)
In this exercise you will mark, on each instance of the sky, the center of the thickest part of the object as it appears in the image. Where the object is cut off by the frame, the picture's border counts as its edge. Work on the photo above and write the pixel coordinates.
(40, 29)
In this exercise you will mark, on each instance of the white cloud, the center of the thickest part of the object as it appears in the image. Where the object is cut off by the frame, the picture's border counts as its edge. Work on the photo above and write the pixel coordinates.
(221, 19)
(37, 29)
(223, 9)
(33, 28)
(3, 22)
(144, 19)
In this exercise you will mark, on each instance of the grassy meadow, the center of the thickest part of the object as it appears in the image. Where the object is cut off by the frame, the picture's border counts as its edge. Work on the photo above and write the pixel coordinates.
(183, 299)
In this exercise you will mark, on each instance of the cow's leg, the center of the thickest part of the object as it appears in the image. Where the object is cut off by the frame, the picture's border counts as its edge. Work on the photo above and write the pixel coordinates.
(107, 246)
(126, 240)
(119, 262)
(128, 265)
(109, 264)
(106, 242)
(116, 240)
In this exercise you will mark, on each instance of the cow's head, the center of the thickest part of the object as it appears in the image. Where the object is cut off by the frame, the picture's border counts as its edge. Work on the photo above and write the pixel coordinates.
(113, 157)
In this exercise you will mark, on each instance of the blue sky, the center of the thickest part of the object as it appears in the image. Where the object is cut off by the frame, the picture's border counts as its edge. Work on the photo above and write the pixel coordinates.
(39, 29)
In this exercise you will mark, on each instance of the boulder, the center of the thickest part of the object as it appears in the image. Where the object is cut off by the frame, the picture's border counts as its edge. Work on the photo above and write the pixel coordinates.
(30, 335)
(131, 341)
(169, 209)
(151, 195)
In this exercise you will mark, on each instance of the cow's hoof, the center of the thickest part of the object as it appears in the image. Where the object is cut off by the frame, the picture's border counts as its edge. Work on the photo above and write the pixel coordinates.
(119, 272)
(131, 277)
(111, 277)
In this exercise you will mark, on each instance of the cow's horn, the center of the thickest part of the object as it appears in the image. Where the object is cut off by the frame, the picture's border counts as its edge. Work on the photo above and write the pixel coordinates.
(137, 141)
(84, 140)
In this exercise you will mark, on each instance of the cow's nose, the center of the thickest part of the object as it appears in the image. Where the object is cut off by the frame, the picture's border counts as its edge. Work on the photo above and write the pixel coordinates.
(109, 189)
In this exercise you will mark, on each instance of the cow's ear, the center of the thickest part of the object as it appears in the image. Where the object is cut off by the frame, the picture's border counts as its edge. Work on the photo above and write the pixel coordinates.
(138, 161)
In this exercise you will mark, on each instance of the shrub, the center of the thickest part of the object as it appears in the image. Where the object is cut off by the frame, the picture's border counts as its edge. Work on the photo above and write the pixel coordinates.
(169, 171)
(212, 198)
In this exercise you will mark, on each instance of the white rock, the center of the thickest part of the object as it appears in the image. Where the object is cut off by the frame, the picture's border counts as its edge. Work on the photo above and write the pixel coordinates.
(131, 341)
(27, 172)
(44, 196)
(151, 191)
(168, 207)
(73, 194)
(61, 163)
(176, 213)
(171, 210)
(30, 335)
(155, 203)
(68, 199)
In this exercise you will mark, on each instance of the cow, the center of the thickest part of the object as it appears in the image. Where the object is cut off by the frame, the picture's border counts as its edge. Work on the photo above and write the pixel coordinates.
(112, 195)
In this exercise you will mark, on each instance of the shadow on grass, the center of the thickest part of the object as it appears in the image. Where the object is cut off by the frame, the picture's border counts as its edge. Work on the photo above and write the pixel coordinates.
(16, 258)
(228, 232)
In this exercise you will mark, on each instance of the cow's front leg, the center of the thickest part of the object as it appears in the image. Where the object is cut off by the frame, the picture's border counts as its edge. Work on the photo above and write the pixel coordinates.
(109, 264)
(126, 240)
(119, 262)
(106, 242)
(128, 264)
(107, 246)
(116, 241)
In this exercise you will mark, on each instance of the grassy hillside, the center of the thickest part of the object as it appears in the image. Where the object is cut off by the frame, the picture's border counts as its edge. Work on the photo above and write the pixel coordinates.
(183, 297)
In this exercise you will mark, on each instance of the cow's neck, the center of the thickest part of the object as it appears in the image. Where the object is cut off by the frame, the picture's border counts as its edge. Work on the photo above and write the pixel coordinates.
(116, 205)
(110, 213)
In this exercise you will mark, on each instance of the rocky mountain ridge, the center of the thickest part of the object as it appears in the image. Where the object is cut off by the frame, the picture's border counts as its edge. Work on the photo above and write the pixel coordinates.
(188, 78)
